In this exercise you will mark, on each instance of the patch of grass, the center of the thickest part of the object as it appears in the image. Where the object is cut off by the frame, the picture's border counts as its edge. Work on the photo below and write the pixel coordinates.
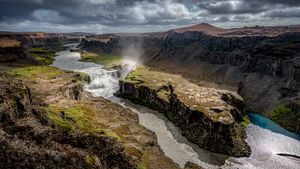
(33, 72)
(284, 116)
(44, 59)
(107, 60)
(82, 76)
(164, 95)
(280, 110)
(42, 56)
(141, 166)
(152, 79)
(78, 118)
(37, 50)
(246, 120)
(145, 160)
(91, 161)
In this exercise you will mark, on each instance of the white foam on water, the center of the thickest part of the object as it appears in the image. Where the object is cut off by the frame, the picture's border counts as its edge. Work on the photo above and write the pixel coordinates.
(264, 143)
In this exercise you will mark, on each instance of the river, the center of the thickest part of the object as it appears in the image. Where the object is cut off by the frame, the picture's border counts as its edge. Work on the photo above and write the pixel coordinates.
(264, 143)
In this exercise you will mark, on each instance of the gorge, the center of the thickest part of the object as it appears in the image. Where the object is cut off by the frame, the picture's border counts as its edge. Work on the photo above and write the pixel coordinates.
(175, 99)
(168, 134)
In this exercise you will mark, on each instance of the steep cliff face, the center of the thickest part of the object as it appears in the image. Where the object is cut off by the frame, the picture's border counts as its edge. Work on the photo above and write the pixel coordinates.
(260, 63)
(207, 117)
(11, 50)
(114, 43)
(43, 39)
(264, 70)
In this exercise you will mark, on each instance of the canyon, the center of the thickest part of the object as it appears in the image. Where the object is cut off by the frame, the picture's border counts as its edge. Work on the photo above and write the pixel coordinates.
(259, 63)
(202, 78)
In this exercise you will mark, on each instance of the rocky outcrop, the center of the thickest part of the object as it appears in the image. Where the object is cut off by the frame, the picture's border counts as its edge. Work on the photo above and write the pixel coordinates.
(190, 165)
(211, 120)
(28, 139)
(11, 50)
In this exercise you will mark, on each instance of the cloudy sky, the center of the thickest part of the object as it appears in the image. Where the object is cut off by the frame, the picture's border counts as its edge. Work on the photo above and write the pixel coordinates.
(103, 16)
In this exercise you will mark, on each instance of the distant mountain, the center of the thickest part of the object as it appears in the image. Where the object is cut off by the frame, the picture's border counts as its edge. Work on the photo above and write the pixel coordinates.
(203, 27)
(240, 32)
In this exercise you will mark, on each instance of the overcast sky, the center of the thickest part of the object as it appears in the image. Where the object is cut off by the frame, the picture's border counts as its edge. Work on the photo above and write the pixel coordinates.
(103, 16)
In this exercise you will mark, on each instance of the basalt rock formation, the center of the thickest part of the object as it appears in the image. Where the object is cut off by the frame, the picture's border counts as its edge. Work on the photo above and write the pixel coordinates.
(11, 50)
(207, 117)
(260, 63)
(44, 39)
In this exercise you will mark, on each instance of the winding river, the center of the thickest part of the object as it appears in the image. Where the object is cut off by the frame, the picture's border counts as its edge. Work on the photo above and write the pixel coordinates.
(265, 144)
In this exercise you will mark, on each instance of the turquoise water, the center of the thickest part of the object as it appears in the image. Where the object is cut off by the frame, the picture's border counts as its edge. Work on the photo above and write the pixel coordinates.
(266, 123)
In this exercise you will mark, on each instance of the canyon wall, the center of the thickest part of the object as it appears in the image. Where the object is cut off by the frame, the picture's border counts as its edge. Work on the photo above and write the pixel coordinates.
(43, 39)
(11, 50)
(262, 67)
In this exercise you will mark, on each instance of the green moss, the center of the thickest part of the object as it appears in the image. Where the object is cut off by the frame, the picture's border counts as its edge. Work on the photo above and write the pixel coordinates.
(82, 77)
(151, 79)
(284, 116)
(110, 133)
(59, 121)
(141, 166)
(91, 161)
(42, 56)
(145, 160)
(78, 118)
(107, 60)
(164, 95)
(38, 50)
(246, 120)
(33, 72)
(280, 110)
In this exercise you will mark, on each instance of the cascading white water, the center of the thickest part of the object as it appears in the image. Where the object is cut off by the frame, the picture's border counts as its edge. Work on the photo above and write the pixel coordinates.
(264, 143)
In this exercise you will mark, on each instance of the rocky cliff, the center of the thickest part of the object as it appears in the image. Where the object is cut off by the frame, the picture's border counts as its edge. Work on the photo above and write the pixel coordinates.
(263, 70)
(260, 63)
(11, 50)
(29, 139)
(43, 39)
(207, 117)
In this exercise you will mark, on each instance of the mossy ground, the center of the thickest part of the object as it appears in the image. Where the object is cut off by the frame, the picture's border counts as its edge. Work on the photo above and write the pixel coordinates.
(91, 161)
(280, 110)
(107, 60)
(284, 116)
(34, 72)
(42, 56)
(78, 118)
(196, 97)
(246, 120)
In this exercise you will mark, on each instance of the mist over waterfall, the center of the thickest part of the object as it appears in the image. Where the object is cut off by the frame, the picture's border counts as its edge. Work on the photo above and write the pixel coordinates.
(131, 54)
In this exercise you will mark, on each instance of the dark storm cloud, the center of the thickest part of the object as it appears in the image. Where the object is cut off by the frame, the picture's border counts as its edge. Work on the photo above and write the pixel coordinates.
(134, 14)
